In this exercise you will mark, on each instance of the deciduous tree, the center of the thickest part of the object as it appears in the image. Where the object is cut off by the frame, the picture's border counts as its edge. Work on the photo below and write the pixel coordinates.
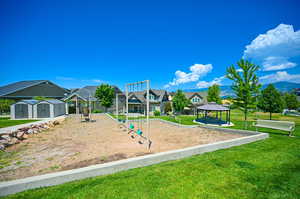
(213, 94)
(245, 86)
(270, 100)
(105, 94)
(179, 101)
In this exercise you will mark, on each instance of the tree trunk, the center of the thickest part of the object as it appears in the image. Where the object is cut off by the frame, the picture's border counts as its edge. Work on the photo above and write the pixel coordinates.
(245, 119)
(270, 115)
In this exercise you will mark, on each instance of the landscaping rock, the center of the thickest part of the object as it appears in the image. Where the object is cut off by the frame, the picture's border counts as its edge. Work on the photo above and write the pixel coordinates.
(14, 141)
(6, 137)
(2, 147)
(56, 122)
(20, 135)
(4, 142)
(25, 136)
(30, 131)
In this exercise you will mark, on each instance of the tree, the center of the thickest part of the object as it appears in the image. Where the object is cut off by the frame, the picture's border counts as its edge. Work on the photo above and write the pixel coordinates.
(105, 94)
(214, 94)
(179, 101)
(291, 101)
(270, 100)
(245, 86)
(168, 107)
(5, 105)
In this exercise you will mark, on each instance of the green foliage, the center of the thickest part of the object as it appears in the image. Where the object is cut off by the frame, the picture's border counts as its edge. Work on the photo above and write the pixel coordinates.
(105, 94)
(156, 113)
(41, 98)
(6, 122)
(214, 94)
(270, 100)
(5, 105)
(291, 101)
(168, 107)
(179, 101)
(245, 86)
(97, 111)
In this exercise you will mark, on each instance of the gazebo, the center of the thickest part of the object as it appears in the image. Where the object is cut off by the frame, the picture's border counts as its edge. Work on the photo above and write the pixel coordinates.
(217, 120)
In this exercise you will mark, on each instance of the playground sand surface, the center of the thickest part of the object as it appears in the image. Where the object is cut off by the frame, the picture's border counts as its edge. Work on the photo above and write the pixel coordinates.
(75, 144)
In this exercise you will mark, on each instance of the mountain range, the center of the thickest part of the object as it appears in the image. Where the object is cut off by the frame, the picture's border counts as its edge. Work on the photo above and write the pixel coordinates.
(227, 91)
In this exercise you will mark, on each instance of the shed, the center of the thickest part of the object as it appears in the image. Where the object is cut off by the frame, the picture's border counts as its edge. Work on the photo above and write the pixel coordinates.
(22, 109)
(49, 108)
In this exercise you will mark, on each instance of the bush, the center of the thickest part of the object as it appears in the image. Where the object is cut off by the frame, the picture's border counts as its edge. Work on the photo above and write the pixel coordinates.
(156, 113)
(97, 111)
(168, 107)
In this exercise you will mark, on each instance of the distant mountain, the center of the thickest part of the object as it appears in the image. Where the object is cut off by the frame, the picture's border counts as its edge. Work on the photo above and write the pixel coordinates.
(227, 91)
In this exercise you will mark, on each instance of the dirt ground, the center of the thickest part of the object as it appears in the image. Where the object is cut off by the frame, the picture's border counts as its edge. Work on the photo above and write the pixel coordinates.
(75, 144)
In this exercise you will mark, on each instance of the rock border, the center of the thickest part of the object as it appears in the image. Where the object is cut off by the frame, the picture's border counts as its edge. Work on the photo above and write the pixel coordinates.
(16, 134)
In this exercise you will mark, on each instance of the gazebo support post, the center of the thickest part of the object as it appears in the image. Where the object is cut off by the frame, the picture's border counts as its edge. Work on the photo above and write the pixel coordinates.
(229, 116)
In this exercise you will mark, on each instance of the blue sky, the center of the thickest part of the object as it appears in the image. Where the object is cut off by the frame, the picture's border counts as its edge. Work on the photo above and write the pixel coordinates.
(175, 44)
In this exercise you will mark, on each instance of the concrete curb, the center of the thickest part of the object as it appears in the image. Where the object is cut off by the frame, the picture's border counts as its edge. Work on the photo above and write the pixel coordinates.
(11, 187)
(17, 127)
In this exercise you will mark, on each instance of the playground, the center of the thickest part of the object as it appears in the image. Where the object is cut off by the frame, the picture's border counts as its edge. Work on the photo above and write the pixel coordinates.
(75, 144)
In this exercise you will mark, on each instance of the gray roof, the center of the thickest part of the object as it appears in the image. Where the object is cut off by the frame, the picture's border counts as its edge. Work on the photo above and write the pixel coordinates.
(213, 106)
(189, 95)
(88, 92)
(141, 95)
(14, 87)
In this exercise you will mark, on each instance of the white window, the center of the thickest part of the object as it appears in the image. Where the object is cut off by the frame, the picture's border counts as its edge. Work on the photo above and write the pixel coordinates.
(196, 99)
(151, 97)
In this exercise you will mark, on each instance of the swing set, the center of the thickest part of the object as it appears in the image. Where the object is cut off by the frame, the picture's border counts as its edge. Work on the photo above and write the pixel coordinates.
(138, 126)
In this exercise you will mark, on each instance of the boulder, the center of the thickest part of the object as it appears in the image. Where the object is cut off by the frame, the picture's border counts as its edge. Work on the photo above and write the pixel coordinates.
(25, 136)
(6, 137)
(29, 131)
(4, 142)
(2, 147)
(14, 141)
(20, 135)
(56, 122)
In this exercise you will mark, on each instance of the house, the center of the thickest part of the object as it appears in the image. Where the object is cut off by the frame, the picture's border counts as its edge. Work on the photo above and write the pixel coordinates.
(85, 97)
(29, 89)
(196, 99)
(157, 100)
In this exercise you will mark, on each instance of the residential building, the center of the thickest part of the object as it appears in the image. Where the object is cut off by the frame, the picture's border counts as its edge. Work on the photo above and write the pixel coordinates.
(85, 97)
(29, 89)
(157, 99)
(196, 99)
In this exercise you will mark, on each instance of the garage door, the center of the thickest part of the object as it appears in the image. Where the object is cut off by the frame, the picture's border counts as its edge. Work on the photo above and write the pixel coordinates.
(43, 110)
(21, 111)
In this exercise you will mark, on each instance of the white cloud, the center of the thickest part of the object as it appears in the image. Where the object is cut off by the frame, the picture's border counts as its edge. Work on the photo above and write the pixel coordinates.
(205, 84)
(196, 71)
(97, 80)
(274, 48)
(280, 76)
(277, 63)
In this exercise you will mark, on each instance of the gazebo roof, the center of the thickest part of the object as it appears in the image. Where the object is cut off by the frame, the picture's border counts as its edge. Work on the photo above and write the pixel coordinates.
(213, 106)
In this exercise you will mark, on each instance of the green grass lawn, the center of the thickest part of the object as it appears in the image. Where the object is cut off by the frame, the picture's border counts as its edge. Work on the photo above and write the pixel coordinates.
(263, 169)
(5, 122)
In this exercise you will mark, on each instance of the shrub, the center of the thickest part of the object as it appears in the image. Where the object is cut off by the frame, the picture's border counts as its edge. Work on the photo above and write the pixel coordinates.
(97, 111)
(156, 113)
(168, 107)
